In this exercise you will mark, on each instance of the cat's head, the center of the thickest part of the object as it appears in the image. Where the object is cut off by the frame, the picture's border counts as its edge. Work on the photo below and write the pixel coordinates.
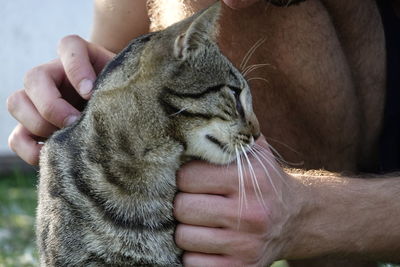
(206, 95)
(203, 97)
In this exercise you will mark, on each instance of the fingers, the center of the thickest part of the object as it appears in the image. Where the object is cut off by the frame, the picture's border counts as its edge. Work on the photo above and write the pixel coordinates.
(205, 210)
(81, 61)
(222, 212)
(41, 88)
(23, 143)
(226, 217)
(74, 56)
(217, 241)
(197, 238)
(200, 259)
(49, 100)
(258, 172)
(202, 177)
(23, 110)
(99, 56)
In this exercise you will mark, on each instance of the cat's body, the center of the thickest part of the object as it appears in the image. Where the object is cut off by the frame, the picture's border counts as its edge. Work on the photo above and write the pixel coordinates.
(107, 183)
(105, 202)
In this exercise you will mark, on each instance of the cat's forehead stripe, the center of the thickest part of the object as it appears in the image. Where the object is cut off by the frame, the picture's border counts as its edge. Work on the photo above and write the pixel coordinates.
(120, 58)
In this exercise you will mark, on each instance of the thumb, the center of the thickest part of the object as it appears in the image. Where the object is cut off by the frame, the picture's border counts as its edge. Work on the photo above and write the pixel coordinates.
(74, 55)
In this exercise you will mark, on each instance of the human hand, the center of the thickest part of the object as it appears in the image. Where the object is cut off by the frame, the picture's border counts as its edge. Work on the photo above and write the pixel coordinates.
(54, 94)
(208, 209)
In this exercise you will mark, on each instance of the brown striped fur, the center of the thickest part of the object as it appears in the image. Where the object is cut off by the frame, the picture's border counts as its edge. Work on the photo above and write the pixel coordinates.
(107, 182)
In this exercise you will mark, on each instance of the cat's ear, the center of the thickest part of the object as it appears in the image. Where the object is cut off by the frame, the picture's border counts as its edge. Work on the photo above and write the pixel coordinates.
(203, 29)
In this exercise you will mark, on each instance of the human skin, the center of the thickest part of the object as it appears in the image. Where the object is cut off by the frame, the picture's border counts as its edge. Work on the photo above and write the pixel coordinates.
(318, 214)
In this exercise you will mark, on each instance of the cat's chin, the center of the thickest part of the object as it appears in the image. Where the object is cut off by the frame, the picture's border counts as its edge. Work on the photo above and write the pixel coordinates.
(220, 161)
(187, 158)
(210, 152)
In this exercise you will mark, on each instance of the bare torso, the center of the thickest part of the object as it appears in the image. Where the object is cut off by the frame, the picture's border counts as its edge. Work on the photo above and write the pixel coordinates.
(322, 92)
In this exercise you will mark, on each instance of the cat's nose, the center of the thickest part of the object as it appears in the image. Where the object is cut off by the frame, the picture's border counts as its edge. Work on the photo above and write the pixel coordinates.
(254, 126)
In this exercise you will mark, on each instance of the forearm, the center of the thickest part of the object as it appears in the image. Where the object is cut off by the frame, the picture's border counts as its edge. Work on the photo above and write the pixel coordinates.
(348, 216)
(116, 22)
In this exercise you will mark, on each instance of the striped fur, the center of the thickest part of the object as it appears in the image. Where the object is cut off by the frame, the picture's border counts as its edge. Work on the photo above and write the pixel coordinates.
(107, 182)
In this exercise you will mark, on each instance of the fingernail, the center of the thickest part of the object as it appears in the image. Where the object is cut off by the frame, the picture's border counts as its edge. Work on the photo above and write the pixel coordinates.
(85, 86)
(70, 120)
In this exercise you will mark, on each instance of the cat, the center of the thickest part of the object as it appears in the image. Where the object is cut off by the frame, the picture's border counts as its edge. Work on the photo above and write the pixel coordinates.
(107, 182)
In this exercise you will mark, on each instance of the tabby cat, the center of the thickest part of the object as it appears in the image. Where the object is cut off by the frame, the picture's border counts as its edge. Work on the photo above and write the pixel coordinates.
(107, 182)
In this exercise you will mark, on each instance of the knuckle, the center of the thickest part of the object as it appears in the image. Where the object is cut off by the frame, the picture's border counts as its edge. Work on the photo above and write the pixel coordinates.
(178, 201)
(32, 75)
(183, 171)
(74, 69)
(32, 159)
(182, 178)
(179, 236)
(12, 141)
(47, 110)
(178, 204)
(257, 218)
(39, 128)
(30, 154)
(12, 102)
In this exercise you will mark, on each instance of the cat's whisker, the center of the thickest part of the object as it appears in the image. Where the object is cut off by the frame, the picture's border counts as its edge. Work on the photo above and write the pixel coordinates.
(279, 157)
(265, 156)
(266, 171)
(254, 181)
(254, 67)
(249, 53)
(179, 111)
(267, 152)
(284, 144)
(259, 65)
(241, 186)
(244, 178)
(227, 155)
(258, 78)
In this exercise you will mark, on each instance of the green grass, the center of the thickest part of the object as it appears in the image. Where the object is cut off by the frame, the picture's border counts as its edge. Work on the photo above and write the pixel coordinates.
(18, 202)
(17, 212)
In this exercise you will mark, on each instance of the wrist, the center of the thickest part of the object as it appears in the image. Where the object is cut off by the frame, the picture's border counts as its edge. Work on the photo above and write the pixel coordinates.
(297, 202)
(313, 225)
(344, 216)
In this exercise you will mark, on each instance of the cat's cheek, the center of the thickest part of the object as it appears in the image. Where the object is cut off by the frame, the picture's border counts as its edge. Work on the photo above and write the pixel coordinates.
(210, 142)
(199, 146)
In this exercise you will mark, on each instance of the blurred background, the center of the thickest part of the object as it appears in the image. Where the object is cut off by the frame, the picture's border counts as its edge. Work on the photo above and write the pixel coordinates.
(29, 32)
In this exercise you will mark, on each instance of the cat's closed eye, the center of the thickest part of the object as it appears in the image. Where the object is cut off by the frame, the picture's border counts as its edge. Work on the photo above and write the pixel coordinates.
(236, 92)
